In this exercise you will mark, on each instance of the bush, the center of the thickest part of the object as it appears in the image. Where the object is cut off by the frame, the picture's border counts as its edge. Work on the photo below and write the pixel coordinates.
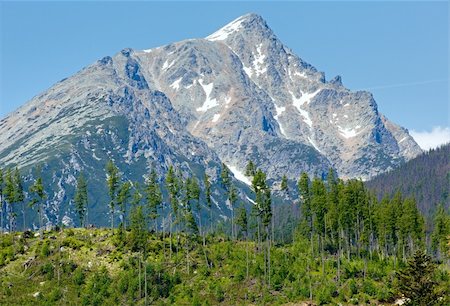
(6, 255)
(78, 276)
(72, 243)
(54, 295)
(96, 289)
(48, 270)
(45, 249)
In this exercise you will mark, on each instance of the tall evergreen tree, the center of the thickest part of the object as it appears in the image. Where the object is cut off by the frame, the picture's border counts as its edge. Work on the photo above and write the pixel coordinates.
(416, 282)
(19, 194)
(250, 170)
(242, 222)
(138, 226)
(305, 200)
(264, 206)
(208, 198)
(123, 196)
(112, 180)
(284, 184)
(81, 199)
(440, 237)
(38, 197)
(10, 196)
(153, 197)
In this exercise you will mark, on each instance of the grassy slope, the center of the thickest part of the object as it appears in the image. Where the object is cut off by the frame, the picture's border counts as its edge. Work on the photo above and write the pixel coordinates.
(84, 254)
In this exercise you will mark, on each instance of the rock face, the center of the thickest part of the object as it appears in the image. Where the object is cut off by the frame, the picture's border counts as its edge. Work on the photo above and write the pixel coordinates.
(249, 97)
(237, 95)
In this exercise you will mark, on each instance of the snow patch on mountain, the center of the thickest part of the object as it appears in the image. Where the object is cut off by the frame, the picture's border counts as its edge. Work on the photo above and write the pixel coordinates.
(209, 103)
(176, 84)
(347, 132)
(224, 32)
(239, 175)
(280, 110)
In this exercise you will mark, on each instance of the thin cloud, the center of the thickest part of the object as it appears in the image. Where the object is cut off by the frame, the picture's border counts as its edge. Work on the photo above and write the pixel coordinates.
(432, 139)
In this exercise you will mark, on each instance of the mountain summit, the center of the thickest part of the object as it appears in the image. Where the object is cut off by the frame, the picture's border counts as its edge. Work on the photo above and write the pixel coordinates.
(237, 95)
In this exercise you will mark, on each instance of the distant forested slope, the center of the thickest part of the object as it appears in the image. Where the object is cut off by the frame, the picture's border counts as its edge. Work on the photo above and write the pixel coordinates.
(426, 177)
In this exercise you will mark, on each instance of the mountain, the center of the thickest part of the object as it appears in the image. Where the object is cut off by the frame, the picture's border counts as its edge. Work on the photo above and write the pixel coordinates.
(237, 95)
(426, 178)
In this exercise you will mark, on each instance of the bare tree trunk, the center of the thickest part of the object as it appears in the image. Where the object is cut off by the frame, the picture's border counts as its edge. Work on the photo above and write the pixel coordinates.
(246, 249)
(1, 213)
(140, 283)
(23, 215)
(170, 236)
(145, 282)
(41, 229)
(268, 251)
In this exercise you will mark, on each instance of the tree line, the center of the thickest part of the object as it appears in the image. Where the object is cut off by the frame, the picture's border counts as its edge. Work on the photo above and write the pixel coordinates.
(340, 218)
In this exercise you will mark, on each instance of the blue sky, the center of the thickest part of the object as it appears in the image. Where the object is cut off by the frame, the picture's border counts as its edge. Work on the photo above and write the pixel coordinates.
(397, 50)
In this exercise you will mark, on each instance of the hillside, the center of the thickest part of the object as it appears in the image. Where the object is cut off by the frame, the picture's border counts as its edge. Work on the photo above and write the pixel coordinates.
(426, 178)
(94, 267)
(345, 247)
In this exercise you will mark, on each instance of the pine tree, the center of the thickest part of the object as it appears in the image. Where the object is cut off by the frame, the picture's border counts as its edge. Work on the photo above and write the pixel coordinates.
(153, 197)
(172, 186)
(440, 237)
(138, 226)
(242, 222)
(38, 196)
(264, 206)
(19, 194)
(10, 196)
(123, 196)
(225, 177)
(193, 194)
(250, 170)
(81, 199)
(284, 184)
(305, 200)
(208, 198)
(112, 180)
(232, 197)
(416, 281)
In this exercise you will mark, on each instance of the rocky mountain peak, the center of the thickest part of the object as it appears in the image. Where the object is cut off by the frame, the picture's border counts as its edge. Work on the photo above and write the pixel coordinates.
(249, 24)
(238, 95)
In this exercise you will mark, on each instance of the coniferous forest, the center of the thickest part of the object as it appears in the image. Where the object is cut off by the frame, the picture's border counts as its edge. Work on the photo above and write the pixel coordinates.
(426, 178)
(341, 245)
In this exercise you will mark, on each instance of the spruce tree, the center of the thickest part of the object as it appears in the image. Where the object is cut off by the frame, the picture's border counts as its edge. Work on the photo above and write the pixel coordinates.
(250, 170)
(284, 184)
(440, 237)
(10, 196)
(38, 196)
(242, 222)
(123, 196)
(208, 198)
(112, 180)
(416, 281)
(153, 197)
(19, 194)
(81, 199)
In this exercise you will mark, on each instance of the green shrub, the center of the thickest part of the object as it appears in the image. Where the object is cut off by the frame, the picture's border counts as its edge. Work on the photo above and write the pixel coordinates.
(369, 287)
(72, 243)
(48, 270)
(54, 295)
(78, 276)
(45, 249)
(6, 255)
